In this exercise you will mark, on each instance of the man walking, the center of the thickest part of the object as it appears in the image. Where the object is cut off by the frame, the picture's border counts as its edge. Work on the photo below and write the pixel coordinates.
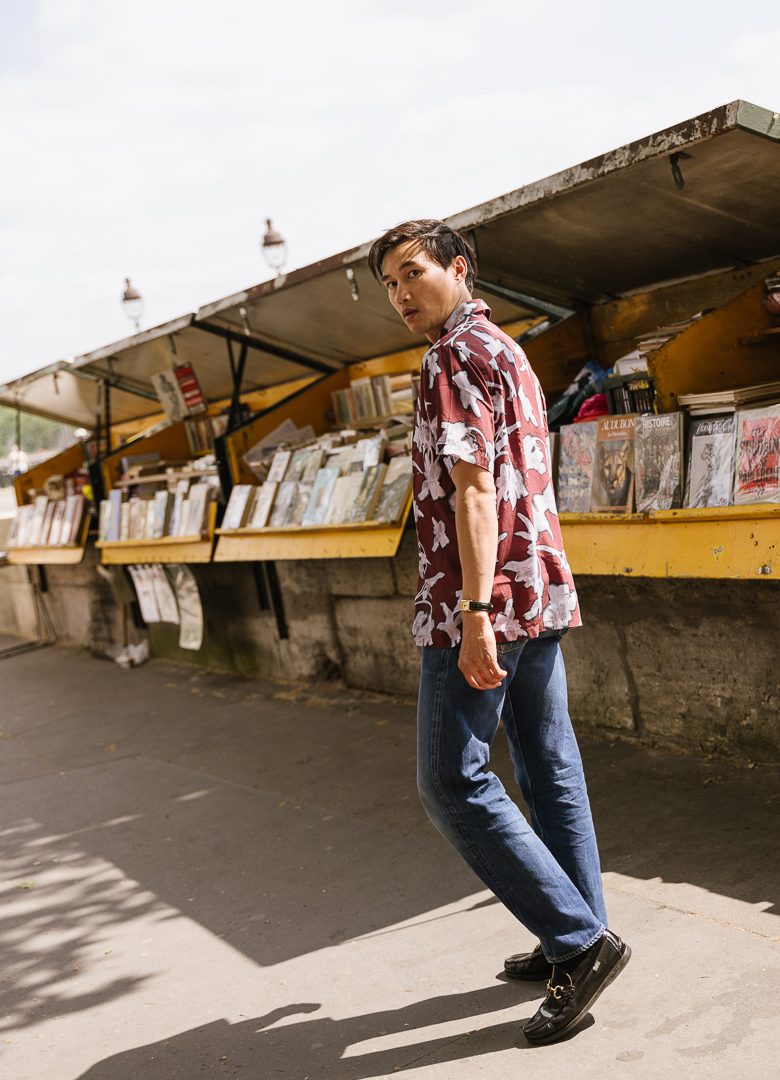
(495, 596)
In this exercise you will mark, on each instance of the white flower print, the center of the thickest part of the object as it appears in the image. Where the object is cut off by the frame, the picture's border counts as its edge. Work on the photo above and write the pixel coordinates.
(431, 486)
(542, 504)
(534, 454)
(560, 607)
(440, 538)
(424, 434)
(463, 351)
(432, 363)
(425, 591)
(528, 411)
(470, 395)
(505, 623)
(492, 344)
(510, 383)
(451, 623)
(520, 358)
(510, 486)
(423, 562)
(457, 442)
(422, 628)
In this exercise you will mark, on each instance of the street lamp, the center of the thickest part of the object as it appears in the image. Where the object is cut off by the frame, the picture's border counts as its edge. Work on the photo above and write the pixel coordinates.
(274, 247)
(133, 303)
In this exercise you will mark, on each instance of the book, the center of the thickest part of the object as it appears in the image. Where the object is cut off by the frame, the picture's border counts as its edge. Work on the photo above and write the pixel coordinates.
(658, 452)
(341, 459)
(114, 526)
(757, 469)
(23, 521)
(382, 394)
(38, 516)
(321, 494)
(394, 492)
(70, 532)
(726, 401)
(55, 529)
(166, 386)
(103, 516)
(238, 506)
(279, 463)
(368, 493)
(189, 388)
(633, 393)
(285, 494)
(46, 529)
(345, 494)
(299, 502)
(613, 470)
(158, 515)
(710, 472)
(363, 398)
(261, 508)
(194, 512)
(124, 521)
(177, 510)
(366, 453)
(576, 458)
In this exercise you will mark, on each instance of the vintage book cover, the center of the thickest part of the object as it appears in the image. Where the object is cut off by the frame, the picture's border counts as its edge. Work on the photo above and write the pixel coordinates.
(313, 464)
(177, 511)
(298, 462)
(576, 458)
(47, 517)
(345, 494)
(341, 459)
(613, 471)
(163, 505)
(658, 453)
(74, 516)
(261, 508)
(238, 506)
(382, 392)
(321, 494)
(24, 518)
(137, 522)
(114, 529)
(285, 495)
(710, 474)
(195, 509)
(124, 521)
(58, 517)
(281, 460)
(368, 493)
(395, 489)
(299, 503)
(39, 513)
(367, 453)
(103, 517)
(16, 532)
(757, 472)
(166, 386)
(363, 398)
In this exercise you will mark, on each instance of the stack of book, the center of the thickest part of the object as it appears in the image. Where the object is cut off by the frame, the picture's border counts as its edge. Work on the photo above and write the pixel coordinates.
(334, 480)
(367, 399)
(48, 523)
(728, 401)
(182, 512)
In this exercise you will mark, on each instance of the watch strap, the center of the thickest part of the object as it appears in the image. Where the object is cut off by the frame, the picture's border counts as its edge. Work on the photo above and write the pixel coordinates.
(475, 605)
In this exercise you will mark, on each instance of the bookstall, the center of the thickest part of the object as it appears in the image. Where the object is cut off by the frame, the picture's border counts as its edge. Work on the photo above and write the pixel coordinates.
(54, 498)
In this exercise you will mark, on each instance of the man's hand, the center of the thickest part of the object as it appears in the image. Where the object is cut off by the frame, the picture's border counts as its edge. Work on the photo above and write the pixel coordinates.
(478, 660)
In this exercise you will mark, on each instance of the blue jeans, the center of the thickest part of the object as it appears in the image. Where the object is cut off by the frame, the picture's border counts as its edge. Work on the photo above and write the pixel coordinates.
(547, 873)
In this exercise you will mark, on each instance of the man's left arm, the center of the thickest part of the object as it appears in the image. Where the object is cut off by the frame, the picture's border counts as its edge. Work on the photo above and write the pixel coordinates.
(476, 524)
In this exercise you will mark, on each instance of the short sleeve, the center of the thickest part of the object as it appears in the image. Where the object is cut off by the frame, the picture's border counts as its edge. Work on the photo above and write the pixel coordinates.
(459, 408)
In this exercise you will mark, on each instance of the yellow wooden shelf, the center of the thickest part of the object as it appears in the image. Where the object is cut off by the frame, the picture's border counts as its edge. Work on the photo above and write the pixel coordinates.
(47, 556)
(719, 542)
(353, 540)
(166, 549)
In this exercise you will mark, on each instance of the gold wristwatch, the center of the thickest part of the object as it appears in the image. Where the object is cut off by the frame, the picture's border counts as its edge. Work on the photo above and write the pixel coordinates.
(475, 605)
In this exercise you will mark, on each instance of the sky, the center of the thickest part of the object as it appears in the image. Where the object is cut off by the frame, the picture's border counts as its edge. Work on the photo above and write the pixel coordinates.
(153, 139)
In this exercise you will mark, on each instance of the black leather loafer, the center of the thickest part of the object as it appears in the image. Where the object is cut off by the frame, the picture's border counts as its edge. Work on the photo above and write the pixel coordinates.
(533, 966)
(570, 996)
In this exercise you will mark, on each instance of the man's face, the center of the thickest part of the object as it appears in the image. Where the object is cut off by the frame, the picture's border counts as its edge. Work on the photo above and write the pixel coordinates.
(422, 292)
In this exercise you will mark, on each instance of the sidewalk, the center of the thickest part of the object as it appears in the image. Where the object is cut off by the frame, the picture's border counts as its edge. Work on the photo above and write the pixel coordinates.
(207, 876)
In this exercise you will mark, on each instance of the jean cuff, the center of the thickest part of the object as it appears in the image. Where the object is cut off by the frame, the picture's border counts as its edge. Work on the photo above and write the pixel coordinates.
(576, 952)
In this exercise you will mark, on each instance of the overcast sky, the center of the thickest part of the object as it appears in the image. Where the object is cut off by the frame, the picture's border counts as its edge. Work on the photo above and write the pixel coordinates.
(152, 139)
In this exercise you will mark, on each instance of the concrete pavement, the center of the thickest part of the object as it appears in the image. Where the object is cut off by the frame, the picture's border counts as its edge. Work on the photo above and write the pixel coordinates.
(207, 876)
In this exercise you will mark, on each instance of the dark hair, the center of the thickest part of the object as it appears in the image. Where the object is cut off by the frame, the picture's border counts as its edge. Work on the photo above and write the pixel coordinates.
(438, 241)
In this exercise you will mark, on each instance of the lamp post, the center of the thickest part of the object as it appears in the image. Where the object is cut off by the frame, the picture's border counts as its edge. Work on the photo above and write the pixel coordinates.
(274, 247)
(133, 303)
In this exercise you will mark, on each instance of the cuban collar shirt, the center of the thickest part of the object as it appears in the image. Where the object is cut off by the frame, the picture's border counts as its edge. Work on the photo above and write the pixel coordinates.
(479, 401)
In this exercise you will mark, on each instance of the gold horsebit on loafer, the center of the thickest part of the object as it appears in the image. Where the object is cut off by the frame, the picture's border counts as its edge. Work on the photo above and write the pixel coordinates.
(560, 991)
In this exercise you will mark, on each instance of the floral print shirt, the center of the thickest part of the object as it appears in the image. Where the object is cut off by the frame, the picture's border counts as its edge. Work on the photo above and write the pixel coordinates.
(479, 401)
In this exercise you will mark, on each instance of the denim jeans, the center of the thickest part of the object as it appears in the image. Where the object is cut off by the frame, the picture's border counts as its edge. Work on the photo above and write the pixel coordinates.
(547, 873)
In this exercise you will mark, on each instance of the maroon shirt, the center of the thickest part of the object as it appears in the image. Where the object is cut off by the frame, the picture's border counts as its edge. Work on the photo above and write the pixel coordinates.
(480, 402)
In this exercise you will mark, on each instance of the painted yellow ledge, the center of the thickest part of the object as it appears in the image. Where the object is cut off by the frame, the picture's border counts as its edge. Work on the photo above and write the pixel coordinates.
(47, 556)
(729, 542)
(168, 549)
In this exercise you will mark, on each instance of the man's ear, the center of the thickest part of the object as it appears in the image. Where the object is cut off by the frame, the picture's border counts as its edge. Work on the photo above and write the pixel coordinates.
(460, 266)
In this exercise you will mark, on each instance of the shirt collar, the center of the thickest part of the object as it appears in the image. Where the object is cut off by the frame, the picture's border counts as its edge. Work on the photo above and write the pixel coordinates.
(463, 311)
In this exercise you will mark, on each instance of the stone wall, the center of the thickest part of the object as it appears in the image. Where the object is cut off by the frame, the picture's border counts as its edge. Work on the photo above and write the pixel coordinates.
(690, 664)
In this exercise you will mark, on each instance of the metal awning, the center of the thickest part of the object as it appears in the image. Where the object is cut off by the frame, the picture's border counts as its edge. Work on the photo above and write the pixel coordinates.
(693, 199)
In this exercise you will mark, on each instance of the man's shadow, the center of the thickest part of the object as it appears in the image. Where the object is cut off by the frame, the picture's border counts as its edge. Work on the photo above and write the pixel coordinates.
(317, 1046)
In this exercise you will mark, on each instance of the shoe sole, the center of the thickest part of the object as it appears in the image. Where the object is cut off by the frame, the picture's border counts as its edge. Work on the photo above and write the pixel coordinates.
(623, 958)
